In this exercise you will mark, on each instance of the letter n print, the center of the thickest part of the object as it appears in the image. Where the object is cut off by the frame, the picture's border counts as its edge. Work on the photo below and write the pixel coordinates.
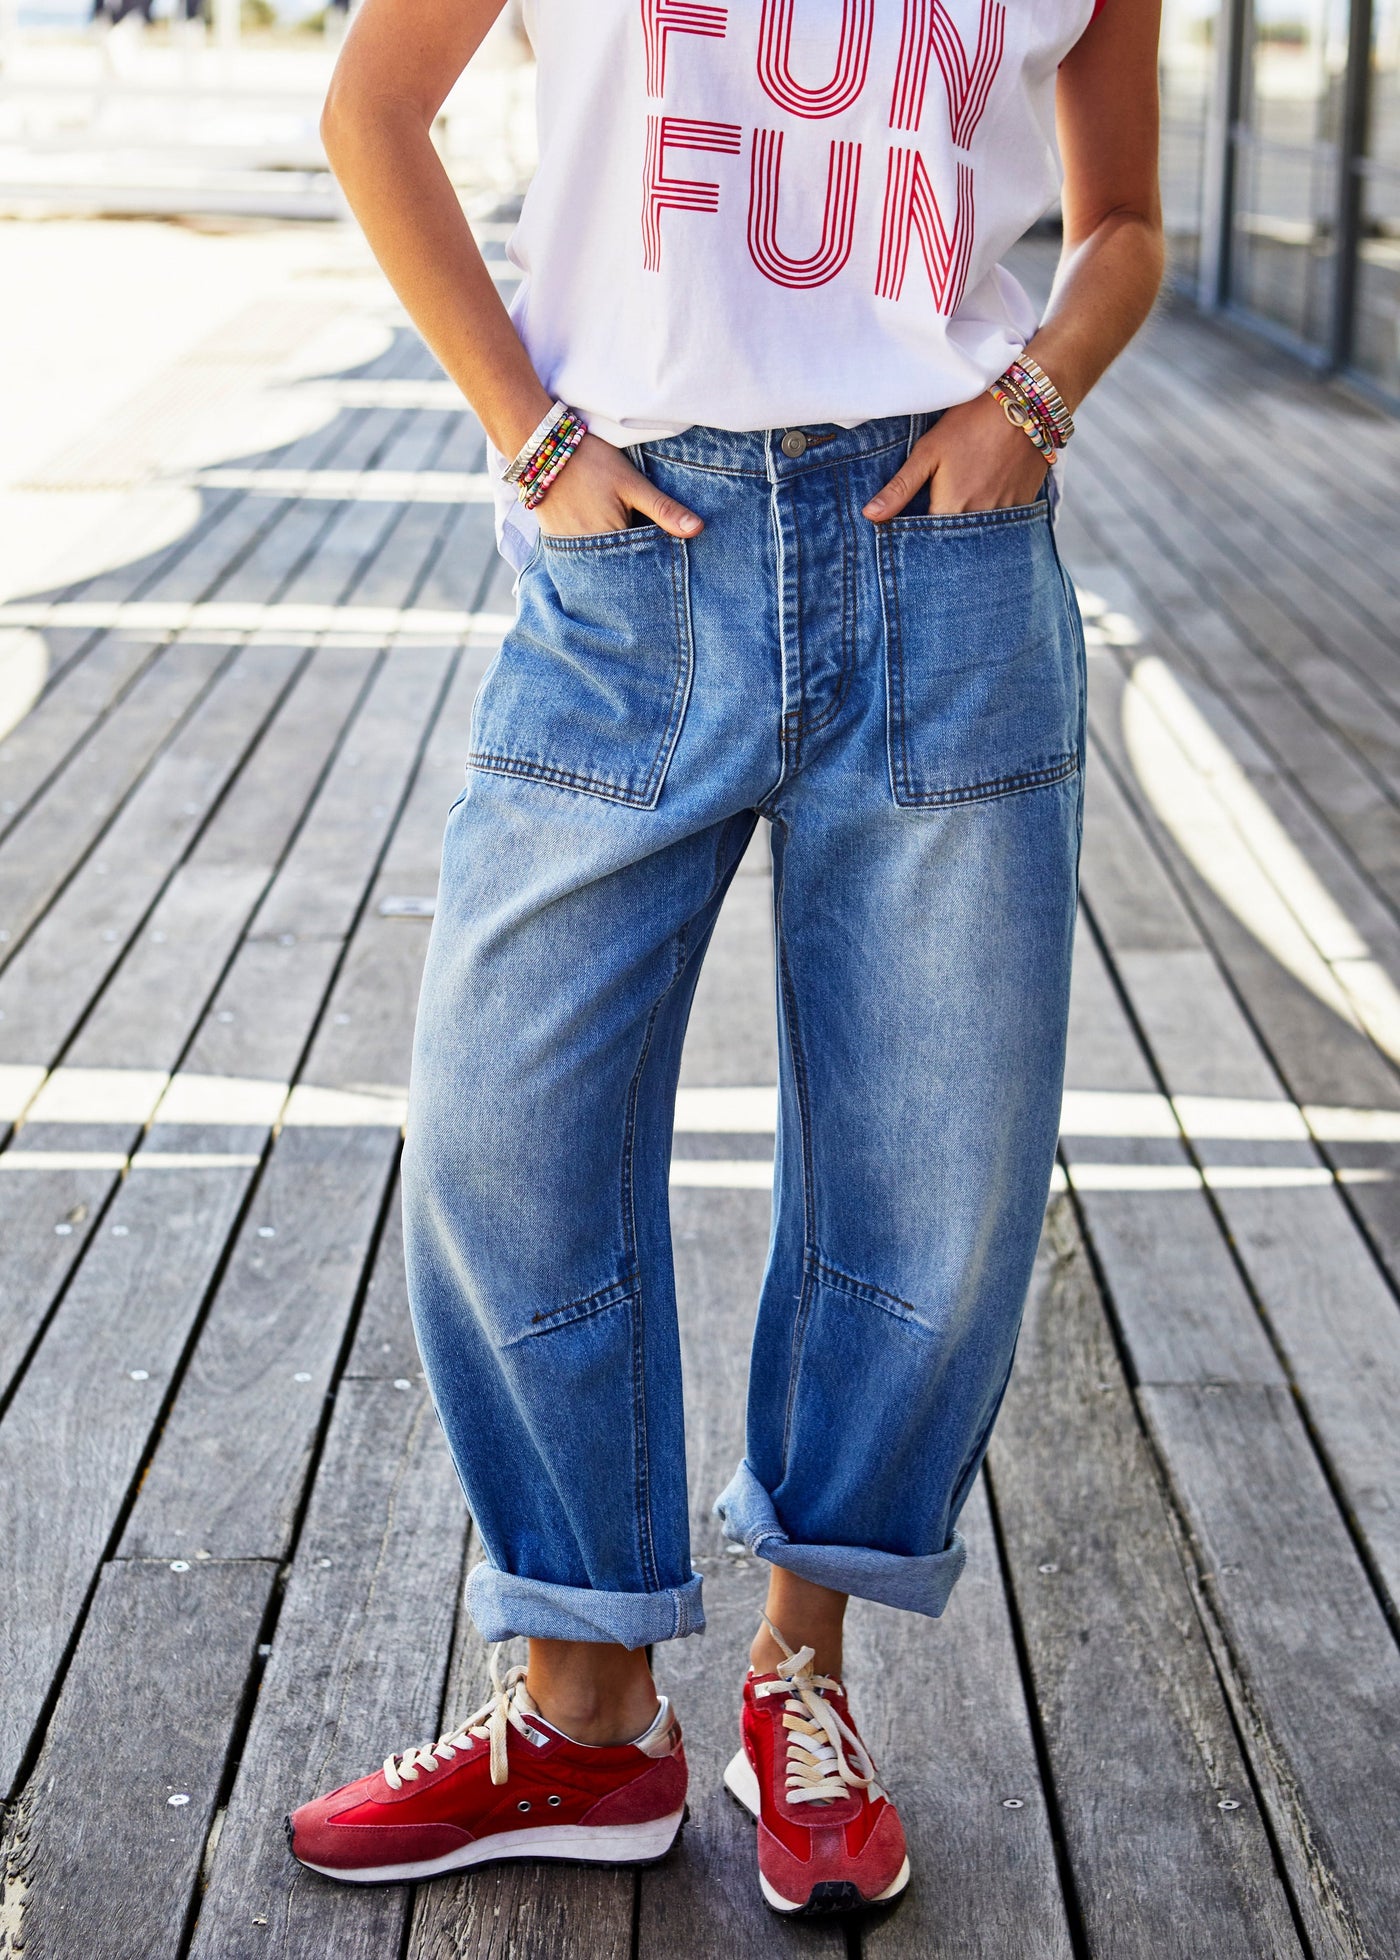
(911, 210)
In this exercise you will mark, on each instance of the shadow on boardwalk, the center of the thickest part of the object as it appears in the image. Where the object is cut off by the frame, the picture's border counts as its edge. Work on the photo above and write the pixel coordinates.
(1160, 1717)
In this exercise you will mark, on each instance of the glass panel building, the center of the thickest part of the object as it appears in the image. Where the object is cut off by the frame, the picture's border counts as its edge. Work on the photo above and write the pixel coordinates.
(1281, 172)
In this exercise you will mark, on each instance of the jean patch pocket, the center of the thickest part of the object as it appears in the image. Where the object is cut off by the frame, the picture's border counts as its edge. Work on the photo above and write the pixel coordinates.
(590, 686)
(982, 656)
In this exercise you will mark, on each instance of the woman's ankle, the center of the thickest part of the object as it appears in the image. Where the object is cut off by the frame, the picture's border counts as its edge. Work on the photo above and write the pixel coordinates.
(593, 1693)
(806, 1615)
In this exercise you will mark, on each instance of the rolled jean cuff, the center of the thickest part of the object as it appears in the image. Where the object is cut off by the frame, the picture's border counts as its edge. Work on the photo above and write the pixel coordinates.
(919, 1584)
(503, 1605)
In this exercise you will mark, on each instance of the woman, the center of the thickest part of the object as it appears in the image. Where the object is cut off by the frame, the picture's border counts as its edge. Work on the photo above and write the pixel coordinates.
(778, 437)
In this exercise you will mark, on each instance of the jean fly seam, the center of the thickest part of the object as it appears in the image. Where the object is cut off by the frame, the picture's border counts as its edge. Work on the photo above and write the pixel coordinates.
(848, 613)
(780, 556)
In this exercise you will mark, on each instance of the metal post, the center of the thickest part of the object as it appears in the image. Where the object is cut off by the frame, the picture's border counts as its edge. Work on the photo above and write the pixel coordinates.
(1219, 172)
(1351, 184)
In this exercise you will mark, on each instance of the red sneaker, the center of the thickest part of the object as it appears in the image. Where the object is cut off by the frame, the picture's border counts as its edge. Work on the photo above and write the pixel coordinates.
(829, 1838)
(503, 1785)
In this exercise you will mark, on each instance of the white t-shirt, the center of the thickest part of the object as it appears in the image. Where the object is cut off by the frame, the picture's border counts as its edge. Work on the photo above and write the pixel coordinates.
(774, 213)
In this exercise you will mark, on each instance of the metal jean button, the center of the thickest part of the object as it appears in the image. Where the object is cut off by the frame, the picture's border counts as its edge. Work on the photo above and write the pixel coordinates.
(794, 443)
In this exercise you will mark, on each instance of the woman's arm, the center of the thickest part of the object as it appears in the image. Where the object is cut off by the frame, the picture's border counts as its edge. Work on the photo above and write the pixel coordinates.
(400, 59)
(1109, 272)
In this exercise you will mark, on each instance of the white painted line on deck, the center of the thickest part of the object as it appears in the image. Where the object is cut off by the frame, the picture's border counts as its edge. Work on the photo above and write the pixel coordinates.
(63, 1160)
(739, 1111)
(221, 1101)
(1135, 1177)
(193, 1160)
(211, 619)
(357, 486)
(723, 1173)
(19, 1084)
(369, 1107)
(98, 1095)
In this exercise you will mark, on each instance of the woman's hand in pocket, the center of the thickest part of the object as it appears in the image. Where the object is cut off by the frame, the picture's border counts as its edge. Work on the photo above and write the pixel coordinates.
(599, 489)
(971, 459)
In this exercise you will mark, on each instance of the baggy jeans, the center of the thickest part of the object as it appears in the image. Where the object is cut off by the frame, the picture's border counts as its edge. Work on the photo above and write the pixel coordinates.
(905, 704)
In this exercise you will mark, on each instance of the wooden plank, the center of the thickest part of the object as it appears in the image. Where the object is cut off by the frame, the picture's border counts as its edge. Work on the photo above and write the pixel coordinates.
(56, 833)
(50, 981)
(1178, 1295)
(957, 1752)
(90, 1400)
(321, 885)
(62, 720)
(358, 1663)
(1321, 1058)
(1293, 552)
(1335, 741)
(1327, 1303)
(295, 528)
(1311, 1665)
(237, 1445)
(228, 1473)
(145, 1015)
(45, 1187)
(384, 1347)
(1137, 1731)
(1330, 1309)
(106, 1842)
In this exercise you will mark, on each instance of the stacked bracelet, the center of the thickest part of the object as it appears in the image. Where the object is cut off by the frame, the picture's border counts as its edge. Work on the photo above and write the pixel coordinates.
(1030, 400)
(545, 454)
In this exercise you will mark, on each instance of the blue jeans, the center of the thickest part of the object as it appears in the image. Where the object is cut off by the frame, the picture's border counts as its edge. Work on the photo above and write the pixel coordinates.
(906, 705)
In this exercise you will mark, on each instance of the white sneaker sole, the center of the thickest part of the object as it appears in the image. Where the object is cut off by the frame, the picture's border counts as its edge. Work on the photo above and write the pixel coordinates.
(742, 1783)
(587, 1844)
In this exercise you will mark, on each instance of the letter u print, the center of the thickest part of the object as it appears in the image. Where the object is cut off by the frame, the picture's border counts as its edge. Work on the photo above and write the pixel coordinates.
(852, 59)
(838, 218)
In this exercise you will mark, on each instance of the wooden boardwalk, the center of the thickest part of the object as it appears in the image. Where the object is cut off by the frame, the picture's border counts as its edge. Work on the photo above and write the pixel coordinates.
(1162, 1716)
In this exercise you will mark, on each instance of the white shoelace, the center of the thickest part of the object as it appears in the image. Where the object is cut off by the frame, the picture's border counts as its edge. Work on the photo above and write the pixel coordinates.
(818, 1769)
(509, 1703)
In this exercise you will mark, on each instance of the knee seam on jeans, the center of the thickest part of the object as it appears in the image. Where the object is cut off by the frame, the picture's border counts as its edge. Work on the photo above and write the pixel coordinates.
(613, 1295)
(864, 1290)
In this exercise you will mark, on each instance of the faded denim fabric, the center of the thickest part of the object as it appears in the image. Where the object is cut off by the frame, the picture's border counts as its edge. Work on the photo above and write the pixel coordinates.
(906, 705)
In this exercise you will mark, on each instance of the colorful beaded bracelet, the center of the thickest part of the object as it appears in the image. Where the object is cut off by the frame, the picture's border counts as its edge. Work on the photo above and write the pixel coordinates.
(1022, 415)
(515, 470)
(538, 479)
(1037, 386)
(546, 452)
